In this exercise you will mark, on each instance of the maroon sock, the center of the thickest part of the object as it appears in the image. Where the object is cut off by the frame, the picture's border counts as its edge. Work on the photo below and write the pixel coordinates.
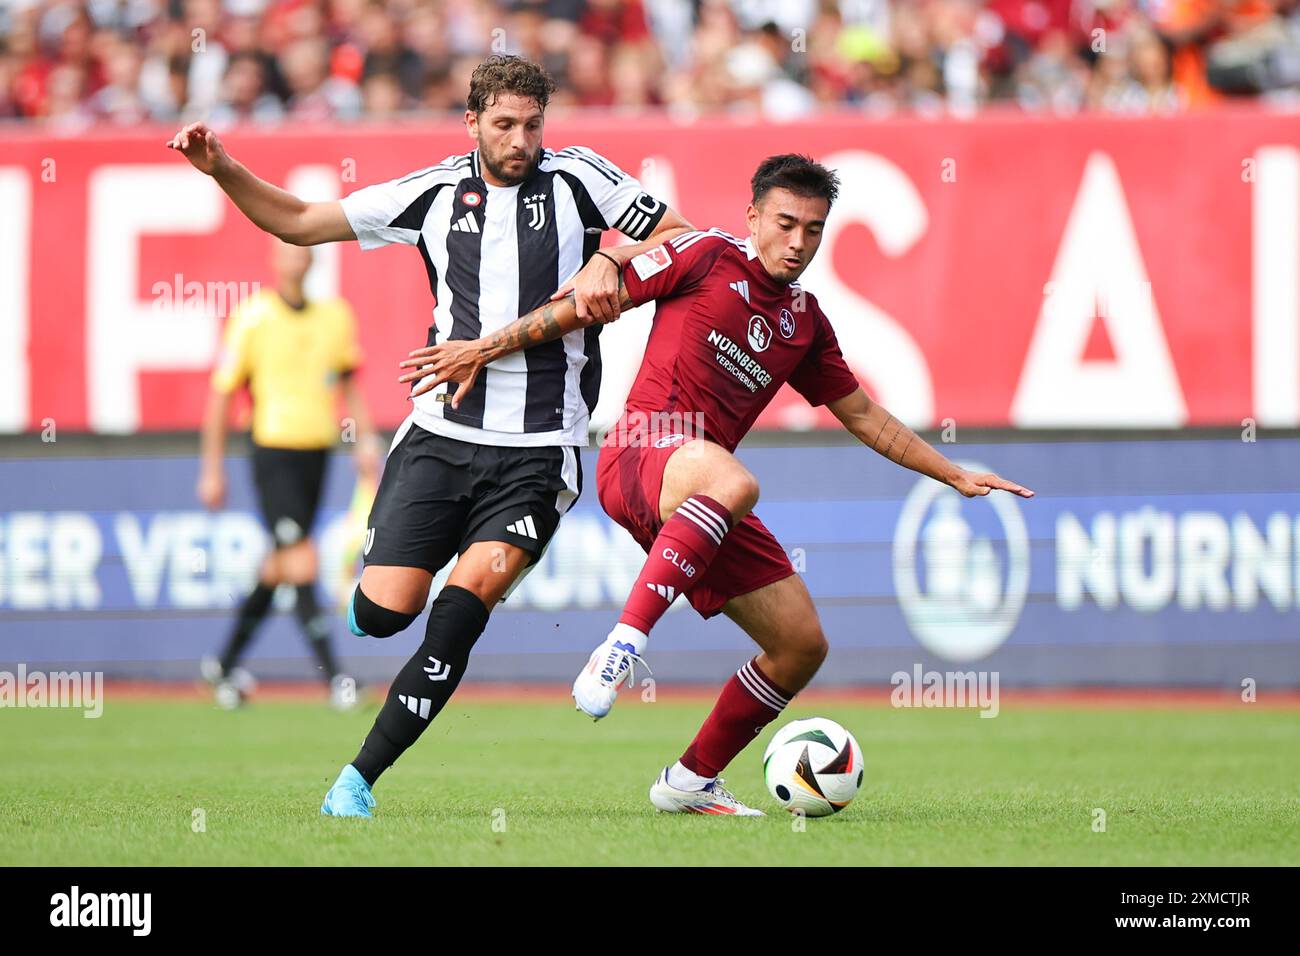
(678, 558)
(747, 704)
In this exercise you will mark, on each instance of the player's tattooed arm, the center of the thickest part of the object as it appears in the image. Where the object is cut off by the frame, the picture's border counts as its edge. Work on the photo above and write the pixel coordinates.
(461, 361)
(875, 427)
(596, 285)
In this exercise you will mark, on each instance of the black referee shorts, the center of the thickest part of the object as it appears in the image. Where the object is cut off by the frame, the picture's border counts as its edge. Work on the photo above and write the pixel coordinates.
(289, 484)
(439, 495)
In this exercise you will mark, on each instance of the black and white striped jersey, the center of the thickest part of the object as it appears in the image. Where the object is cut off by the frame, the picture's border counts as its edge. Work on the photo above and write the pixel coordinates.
(495, 253)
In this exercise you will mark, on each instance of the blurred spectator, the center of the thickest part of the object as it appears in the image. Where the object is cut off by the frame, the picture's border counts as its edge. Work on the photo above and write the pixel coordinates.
(244, 96)
(314, 94)
(123, 62)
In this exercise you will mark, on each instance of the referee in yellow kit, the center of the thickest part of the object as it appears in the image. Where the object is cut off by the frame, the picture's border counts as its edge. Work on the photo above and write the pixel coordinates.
(295, 356)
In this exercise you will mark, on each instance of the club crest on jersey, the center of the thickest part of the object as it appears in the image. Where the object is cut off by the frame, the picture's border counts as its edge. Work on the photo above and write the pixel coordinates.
(760, 333)
(471, 199)
(536, 206)
(787, 324)
(652, 262)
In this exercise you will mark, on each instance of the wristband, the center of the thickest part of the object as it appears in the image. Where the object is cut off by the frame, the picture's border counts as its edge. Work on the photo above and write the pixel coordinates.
(617, 265)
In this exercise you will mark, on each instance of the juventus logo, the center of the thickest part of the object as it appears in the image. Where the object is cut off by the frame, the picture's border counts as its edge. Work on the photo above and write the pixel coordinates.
(536, 206)
(439, 670)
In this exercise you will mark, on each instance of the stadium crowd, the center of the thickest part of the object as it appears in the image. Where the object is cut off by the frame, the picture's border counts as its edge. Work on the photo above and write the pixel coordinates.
(72, 63)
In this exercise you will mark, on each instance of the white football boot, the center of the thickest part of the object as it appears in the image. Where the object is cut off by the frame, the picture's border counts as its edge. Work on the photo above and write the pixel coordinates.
(210, 669)
(714, 798)
(610, 666)
(233, 689)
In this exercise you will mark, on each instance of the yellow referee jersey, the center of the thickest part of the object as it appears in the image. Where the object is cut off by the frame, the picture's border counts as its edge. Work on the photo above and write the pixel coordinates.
(291, 359)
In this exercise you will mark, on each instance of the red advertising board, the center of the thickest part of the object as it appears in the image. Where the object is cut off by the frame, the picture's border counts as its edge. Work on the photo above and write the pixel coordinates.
(1006, 270)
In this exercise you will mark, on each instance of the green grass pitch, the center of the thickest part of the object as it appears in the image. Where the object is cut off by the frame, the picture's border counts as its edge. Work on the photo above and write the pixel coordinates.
(533, 783)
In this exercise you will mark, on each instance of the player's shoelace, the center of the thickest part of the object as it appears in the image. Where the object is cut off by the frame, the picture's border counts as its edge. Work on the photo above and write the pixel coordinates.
(620, 665)
(356, 797)
(721, 792)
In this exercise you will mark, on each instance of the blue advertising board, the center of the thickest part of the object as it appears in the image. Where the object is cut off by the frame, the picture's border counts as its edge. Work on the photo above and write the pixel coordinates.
(1151, 561)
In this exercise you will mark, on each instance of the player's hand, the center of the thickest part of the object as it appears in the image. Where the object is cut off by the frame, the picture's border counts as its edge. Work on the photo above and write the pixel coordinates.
(201, 147)
(595, 291)
(455, 361)
(973, 485)
(212, 490)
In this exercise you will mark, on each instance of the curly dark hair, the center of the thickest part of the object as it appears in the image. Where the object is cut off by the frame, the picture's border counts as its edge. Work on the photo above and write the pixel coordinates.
(501, 73)
(799, 174)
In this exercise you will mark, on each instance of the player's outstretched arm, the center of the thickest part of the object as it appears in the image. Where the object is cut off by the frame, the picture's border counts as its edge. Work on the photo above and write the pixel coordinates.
(268, 207)
(462, 360)
(872, 424)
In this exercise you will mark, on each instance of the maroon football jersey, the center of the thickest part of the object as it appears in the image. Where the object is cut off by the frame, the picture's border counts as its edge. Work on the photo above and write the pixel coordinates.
(726, 335)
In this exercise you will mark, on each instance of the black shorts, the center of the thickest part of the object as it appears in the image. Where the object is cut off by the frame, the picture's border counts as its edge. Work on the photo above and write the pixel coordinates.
(439, 495)
(289, 484)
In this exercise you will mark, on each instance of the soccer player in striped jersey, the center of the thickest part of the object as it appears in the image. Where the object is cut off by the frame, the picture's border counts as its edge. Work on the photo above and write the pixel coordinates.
(500, 229)
(731, 326)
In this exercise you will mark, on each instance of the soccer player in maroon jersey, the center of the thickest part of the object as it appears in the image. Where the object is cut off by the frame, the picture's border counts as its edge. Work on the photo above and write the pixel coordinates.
(731, 325)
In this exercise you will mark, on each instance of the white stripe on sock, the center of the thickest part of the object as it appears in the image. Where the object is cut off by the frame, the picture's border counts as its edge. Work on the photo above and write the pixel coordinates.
(707, 529)
(761, 691)
(706, 512)
(764, 683)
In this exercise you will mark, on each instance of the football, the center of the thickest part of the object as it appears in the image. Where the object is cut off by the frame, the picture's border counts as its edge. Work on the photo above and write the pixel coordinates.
(813, 766)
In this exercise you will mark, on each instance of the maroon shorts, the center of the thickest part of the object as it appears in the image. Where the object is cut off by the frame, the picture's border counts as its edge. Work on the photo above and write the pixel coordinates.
(629, 477)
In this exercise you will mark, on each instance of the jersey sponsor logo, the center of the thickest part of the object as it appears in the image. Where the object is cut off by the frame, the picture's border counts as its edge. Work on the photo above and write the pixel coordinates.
(759, 333)
(370, 540)
(652, 262)
(536, 206)
(669, 440)
(471, 199)
(742, 287)
(739, 362)
(787, 324)
(466, 223)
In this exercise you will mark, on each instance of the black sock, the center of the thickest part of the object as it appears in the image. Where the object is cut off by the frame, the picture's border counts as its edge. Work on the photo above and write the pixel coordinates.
(251, 613)
(315, 627)
(424, 685)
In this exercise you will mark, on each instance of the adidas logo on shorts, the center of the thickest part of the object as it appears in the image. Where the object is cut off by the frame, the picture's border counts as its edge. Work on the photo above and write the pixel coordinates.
(524, 527)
